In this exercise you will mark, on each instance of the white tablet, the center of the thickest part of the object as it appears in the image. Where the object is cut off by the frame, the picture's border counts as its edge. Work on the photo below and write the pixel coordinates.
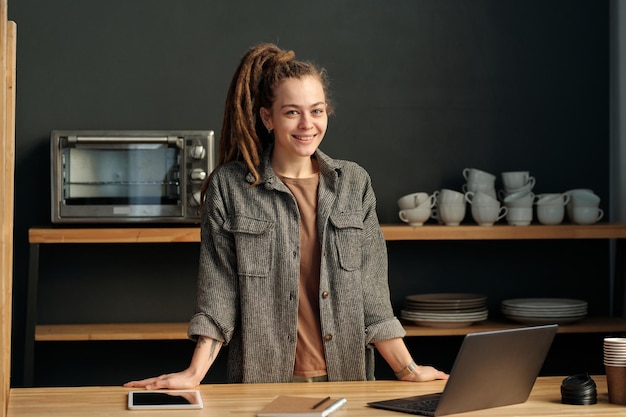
(164, 399)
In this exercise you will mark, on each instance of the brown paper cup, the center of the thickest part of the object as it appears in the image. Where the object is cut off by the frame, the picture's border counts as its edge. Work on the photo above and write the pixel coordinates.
(616, 383)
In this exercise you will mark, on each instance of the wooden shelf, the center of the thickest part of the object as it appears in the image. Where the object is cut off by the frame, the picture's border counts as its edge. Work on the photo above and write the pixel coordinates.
(114, 235)
(505, 232)
(588, 325)
(390, 231)
(121, 331)
(178, 331)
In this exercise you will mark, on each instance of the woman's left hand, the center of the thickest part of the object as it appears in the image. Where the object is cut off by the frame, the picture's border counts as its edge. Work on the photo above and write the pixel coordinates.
(424, 373)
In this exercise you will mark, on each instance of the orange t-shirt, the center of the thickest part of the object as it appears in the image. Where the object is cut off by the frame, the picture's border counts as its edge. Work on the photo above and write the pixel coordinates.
(310, 361)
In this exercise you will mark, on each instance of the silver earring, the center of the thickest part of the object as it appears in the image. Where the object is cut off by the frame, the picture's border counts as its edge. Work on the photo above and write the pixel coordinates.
(269, 131)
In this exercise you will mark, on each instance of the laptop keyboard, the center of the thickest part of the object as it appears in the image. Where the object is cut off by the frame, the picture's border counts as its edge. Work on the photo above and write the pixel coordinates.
(425, 407)
(422, 404)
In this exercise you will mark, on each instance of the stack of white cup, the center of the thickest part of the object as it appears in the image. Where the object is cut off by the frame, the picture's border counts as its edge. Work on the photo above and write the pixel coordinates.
(551, 207)
(479, 180)
(449, 207)
(480, 192)
(415, 208)
(518, 197)
(486, 210)
(583, 206)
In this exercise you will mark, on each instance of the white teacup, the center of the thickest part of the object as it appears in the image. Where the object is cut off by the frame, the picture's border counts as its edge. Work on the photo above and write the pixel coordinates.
(414, 199)
(519, 216)
(480, 198)
(488, 189)
(586, 214)
(447, 196)
(521, 199)
(552, 199)
(517, 179)
(416, 216)
(585, 199)
(450, 214)
(487, 215)
(478, 176)
(526, 188)
(583, 194)
(581, 197)
(550, 213)
(579, 191)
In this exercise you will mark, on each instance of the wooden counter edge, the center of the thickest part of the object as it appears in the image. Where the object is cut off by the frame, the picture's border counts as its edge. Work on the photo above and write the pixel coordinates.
(247, 399)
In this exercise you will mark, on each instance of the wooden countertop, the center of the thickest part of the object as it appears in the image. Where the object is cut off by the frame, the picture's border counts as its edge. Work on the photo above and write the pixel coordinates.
(244, 400)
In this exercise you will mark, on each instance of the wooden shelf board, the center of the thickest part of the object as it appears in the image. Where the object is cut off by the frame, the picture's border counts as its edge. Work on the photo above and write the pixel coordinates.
(390, 231)
(109, 331)
(588, 325)
(114, 235)
(178, 331)
(504, 232)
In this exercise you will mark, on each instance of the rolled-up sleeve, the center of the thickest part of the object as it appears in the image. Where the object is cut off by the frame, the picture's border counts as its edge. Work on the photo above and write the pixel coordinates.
(380, 322)
(217, 296)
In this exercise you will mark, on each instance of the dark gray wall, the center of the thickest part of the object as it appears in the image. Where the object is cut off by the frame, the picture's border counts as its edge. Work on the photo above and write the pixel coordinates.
(423, 89)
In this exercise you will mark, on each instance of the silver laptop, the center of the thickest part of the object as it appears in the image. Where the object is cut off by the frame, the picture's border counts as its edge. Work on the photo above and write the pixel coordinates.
(492, 369)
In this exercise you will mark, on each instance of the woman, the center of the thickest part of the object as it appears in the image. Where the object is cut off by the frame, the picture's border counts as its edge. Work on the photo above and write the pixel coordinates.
(293, 264)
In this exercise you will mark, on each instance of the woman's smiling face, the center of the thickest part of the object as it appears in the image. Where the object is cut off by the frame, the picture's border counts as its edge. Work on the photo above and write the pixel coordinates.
(298, 117)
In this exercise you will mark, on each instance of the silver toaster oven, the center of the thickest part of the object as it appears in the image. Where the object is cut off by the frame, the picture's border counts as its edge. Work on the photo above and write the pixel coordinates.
(129, 176)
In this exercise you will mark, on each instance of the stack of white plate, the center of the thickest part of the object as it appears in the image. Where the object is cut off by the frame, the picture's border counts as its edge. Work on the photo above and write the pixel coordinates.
(544, 310)
(444, 309)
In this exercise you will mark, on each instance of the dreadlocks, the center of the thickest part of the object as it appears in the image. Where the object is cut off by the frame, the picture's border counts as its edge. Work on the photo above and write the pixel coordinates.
(262, 68)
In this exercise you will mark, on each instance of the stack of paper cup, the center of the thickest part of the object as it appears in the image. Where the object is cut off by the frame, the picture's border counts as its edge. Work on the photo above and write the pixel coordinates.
(615, 366)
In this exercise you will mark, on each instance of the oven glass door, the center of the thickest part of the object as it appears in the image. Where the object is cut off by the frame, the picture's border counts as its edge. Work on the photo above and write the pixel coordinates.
(123, 178)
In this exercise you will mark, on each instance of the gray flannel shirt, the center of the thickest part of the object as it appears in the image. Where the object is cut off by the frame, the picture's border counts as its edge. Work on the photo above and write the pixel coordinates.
(249, 272)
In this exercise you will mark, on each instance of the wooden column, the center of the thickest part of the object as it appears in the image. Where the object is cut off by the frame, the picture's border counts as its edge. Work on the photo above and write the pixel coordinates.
(7, 170)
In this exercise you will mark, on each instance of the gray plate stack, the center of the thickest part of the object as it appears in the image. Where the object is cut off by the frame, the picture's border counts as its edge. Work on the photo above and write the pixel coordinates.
(544, 310)
(444, 309)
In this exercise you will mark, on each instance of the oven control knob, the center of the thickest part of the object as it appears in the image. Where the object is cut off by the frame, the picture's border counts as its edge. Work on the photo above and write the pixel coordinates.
(197, 152)
(197, 174)
(194, 199)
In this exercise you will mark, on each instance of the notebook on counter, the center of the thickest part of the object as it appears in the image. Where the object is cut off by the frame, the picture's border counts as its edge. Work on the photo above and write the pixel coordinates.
(289, 406)
(491, 369)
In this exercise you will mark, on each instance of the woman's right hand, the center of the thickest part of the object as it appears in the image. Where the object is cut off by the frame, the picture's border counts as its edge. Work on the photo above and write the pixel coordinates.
(203, 356)
(177, 380)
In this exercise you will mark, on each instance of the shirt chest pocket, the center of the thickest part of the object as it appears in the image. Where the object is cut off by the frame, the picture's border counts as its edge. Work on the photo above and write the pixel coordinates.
(348, 238)
(254, 243)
